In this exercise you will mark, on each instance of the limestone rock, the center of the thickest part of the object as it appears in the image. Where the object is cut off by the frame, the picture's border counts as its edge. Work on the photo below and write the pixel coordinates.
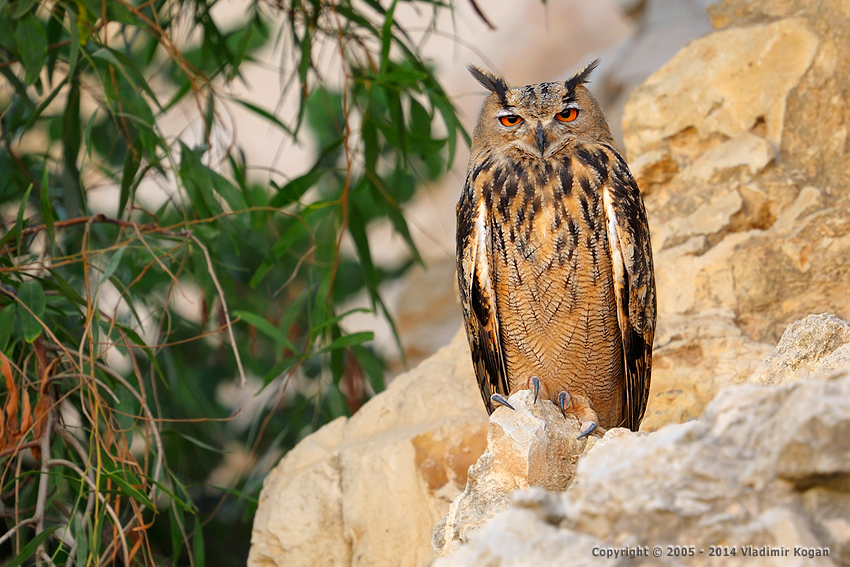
(532, 446)
(662, 27)
(727, 81)
(367, 491)
(739, 144)
(817, 344)
(763, 466)
(525, 536)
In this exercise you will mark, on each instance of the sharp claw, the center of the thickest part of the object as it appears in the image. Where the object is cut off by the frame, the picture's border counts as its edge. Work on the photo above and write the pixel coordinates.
(588, 430)
(563, 400)
(536, 382)
(500, 399)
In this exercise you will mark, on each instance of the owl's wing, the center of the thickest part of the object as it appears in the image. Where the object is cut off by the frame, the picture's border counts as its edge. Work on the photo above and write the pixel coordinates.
(634, 286)
(478, 298)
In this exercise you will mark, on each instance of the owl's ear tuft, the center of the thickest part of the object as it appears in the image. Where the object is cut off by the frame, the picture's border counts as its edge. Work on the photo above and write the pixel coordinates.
(491, 82)
(582, 76)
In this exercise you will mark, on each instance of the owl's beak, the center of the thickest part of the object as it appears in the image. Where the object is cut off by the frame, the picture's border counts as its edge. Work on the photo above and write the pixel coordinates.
(542, 142)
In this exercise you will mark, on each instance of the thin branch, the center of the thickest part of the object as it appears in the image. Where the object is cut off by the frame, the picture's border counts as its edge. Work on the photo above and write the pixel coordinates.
(65, 463)
(19, 525)
(44, 478)
(242, 379)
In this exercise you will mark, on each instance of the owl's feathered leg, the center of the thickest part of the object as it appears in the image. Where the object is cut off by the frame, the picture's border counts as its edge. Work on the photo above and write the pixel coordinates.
(579, 406)
(500, 399)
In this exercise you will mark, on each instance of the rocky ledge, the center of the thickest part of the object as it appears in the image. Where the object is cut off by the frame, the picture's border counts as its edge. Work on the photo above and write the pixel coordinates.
(764, 472)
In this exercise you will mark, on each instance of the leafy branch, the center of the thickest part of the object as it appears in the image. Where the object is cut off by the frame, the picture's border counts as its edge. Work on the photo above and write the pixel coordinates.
(135, 334)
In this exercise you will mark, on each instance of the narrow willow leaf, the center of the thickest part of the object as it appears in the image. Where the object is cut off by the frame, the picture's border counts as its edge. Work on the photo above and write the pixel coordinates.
(262, 113)
(81, 536)
(387, 35)
(371, 367)
(29, 549)
(132, 161)
(32, 295)
(119, 478)
(47, 209)
(348, 340)
(23, 8)
(7, 324)
(19, 221)
(266, 328)
(32, 45)
(112, 265)
(198, 543)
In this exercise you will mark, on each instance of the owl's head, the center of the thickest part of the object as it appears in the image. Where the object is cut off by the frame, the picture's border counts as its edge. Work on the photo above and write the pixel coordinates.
(540, 120)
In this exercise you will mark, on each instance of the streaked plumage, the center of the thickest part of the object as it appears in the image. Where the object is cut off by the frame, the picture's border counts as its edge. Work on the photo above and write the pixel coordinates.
(554, 260)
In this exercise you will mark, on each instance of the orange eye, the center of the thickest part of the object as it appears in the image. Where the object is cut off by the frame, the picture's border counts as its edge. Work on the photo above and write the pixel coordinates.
(568, 115)
(510, 120)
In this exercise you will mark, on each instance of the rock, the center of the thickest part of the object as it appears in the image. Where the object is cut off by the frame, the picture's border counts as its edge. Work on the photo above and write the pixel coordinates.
(747, 150)
(763, 466)
(532, 446)
(751, 72)
(739, 143)
(525, 536)
(818, 344)
(661, 28)
(369, 489)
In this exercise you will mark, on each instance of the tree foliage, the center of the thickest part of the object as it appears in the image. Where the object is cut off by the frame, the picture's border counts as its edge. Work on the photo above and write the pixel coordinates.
(125, 326)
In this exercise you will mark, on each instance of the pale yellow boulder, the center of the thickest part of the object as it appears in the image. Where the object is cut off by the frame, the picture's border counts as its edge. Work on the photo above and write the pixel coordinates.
(367, 491)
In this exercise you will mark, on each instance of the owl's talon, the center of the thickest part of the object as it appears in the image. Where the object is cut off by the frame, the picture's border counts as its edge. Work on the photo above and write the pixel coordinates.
(500, 399)
(564, 401)
(579, 406)
(535, 381)
(590, 428)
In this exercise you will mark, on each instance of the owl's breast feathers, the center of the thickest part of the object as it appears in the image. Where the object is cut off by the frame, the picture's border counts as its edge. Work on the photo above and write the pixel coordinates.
(555, 275)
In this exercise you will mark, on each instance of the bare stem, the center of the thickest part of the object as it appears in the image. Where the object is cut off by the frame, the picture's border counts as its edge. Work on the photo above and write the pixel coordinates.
(44, 478)
(242, 379)
(109, 510)
(19, 525)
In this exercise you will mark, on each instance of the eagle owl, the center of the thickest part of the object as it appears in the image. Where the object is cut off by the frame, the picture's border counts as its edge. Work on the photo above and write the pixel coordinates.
(554, 261)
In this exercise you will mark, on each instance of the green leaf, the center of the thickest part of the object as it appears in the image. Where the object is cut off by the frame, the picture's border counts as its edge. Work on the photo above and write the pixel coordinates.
(281, 247)
(348, 340)
(357, 229)
(32, 45)
(132, 161)
(198, 543)
(128, 68)
(31, 546)
(23, 8)
(266, 328)
(81, 536)
(177, 523)
(198, 443)
(264, 114)
(112, 265)
(19, 221)
(32, 295)
(338, 318)
(279, 369)
(292, 191)
(387, 35)
(371, 366)
(118, 477)
(53, 33)
(47, 209)
(7, 324)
